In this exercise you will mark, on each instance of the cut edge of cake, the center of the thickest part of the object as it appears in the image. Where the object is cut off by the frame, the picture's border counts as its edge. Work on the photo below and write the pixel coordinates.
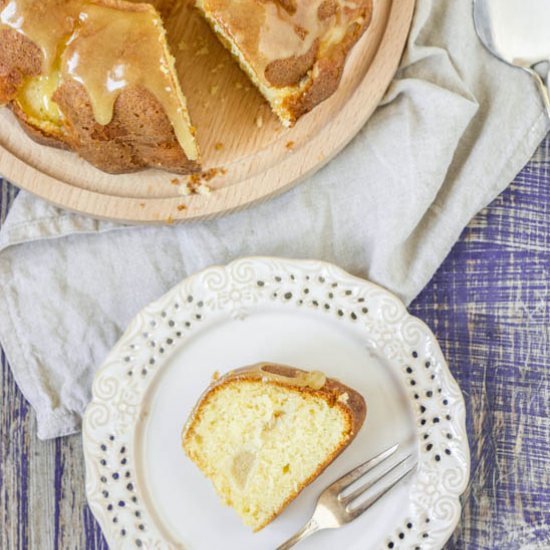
(274, 96)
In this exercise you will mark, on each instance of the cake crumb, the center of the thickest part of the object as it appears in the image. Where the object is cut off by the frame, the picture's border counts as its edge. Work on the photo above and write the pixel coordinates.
(175, 181)
(218, 146)
(193, 180)
(184, 189)
(203, 189)
(214, 90)
(290, 145)
(215, 375)
(259, 121)
(202, 51)
(142, 204)
(181, 207)
(301, 32)
(213, 172)
(182, 46)
(196, 183)
(238, 85)
(169, 220)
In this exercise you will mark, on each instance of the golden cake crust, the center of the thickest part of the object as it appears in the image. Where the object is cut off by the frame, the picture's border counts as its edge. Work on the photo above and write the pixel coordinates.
(329, 69)
(19, 58)
(139, 134)
(334, 392)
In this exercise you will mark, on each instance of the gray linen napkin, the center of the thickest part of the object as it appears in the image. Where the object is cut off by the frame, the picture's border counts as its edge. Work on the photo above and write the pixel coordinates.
(454, 128)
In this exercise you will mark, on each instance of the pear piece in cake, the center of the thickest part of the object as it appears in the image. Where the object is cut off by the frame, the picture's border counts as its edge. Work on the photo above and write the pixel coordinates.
(263, 433)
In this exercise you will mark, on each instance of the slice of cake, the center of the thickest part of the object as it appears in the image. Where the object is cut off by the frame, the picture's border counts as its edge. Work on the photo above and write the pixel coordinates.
(96, 76)
(293, 50)
(262, 433)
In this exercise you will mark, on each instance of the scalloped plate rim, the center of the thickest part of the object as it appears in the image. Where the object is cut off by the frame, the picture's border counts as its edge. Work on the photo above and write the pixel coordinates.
(309, 265)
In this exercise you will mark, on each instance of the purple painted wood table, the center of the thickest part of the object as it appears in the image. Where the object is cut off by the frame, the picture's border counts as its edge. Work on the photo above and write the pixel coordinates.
(489, 306)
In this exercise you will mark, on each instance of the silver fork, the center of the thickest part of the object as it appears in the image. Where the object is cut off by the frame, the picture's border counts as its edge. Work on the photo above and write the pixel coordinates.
(334, 507)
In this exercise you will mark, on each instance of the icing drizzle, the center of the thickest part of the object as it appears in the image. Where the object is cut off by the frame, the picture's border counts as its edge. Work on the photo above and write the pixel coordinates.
(107, 49)
(271, 30)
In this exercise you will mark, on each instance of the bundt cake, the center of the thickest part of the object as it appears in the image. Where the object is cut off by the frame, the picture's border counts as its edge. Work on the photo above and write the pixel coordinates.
(293, 50)
(96, 76)
(264, 432)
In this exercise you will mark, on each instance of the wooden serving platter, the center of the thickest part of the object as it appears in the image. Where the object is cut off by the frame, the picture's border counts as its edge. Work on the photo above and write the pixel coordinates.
(251, 153)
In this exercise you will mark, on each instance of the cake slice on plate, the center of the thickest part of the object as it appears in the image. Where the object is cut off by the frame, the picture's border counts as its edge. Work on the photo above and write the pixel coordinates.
(96, 77)
(293, 50)
(263, 433)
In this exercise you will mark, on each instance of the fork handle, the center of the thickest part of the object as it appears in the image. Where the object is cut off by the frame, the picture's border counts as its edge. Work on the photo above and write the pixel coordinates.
(308, 529)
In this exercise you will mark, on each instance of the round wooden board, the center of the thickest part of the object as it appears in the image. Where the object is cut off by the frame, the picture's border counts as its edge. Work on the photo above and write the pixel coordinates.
(236, 131)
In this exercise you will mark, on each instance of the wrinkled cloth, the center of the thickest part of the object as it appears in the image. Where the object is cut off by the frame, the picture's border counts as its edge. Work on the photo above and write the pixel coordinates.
(453, 129)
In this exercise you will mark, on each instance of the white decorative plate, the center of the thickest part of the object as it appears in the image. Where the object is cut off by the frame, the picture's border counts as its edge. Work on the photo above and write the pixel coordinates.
(144, 491)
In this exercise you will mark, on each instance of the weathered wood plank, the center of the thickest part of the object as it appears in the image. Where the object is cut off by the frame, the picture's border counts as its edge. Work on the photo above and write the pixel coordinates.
(489, 306)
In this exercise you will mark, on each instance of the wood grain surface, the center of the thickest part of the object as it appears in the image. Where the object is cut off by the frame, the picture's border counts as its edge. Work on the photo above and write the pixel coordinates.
(489, 306)
(236, 130)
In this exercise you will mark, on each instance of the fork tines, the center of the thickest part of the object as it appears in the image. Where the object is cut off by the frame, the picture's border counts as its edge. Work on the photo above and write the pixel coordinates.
(345, 482)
